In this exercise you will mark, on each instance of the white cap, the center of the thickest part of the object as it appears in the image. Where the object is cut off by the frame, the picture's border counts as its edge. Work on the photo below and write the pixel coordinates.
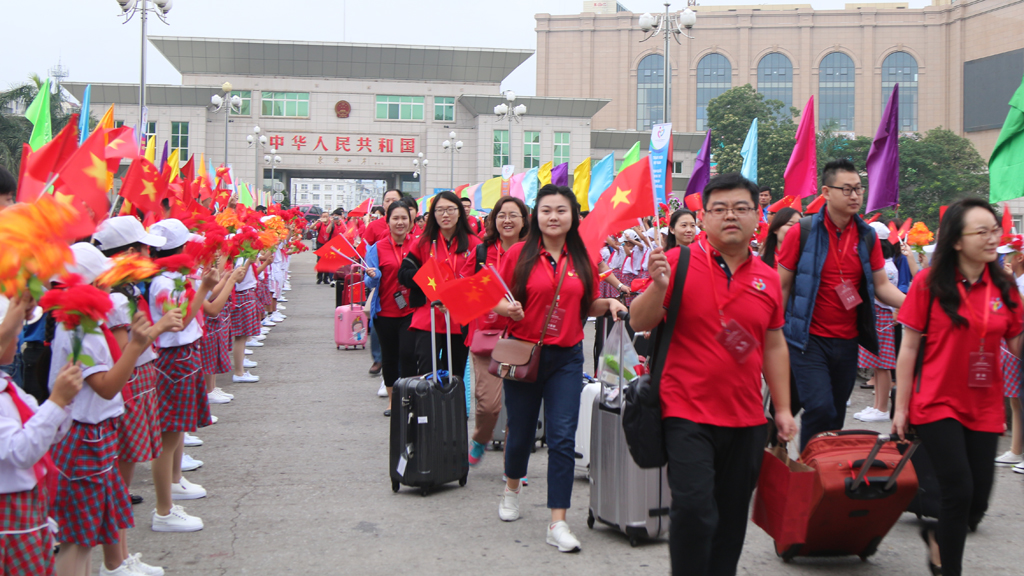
(881, 229)
(631, 234)
(89, 262)
(929, 249)
(174, 231)
(125, 230)
(1004, 249)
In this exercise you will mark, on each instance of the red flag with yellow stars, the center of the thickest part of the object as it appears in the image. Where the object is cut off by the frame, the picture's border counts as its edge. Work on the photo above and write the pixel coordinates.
(38, 167)
(143, 186)
(469, 298)
(121, 144)
(431, 279)
(629, 197)
(85, 176)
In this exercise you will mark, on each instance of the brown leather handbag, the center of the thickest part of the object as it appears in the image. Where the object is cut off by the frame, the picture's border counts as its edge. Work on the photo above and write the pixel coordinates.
(519, 360)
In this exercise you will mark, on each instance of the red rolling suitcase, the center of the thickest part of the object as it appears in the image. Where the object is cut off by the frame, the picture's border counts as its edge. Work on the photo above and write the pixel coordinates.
(863, 484)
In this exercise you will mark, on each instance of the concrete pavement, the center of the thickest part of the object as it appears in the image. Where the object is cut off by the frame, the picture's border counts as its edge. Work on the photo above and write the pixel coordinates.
(297, 477)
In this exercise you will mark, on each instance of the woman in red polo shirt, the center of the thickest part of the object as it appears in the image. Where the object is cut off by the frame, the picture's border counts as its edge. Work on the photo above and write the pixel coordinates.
(966, 304)
(447, 239)
(532, 270)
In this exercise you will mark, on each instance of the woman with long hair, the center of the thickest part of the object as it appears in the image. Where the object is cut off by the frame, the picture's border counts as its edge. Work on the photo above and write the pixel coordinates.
(682, 229)
(552, 254)
(506, 225)
(965, 303)
(781, 223)
(447, 240)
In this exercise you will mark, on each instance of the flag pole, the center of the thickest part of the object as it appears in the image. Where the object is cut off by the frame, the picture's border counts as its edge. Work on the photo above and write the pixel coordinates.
(354, 250)
(508, 293)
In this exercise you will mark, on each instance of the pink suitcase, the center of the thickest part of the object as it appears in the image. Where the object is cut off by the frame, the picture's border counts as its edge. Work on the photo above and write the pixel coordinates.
(350, 326)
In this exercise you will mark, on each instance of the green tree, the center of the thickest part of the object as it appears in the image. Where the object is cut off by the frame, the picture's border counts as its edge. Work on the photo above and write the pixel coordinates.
(15, 129)
(729, 118)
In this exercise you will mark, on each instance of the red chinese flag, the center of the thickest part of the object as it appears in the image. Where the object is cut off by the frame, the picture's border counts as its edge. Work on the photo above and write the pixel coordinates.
(873, 218)
(121, 143)
(38, 167)
(143, 186)
(894, 234)
(431, 279)
(694, 202)
(629, 197)
(785, 202)
(815, 206)
(906, 226)
(469, 298)
(1007, 219)
(84, 177)
(224, 175)
(338, 247)
(362, 209)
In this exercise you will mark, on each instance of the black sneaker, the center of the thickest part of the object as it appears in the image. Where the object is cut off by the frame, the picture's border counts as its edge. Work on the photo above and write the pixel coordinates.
(136, 499)
(375, 368)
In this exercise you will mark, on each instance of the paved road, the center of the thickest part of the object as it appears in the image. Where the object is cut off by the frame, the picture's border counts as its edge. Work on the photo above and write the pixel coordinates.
(297, 475)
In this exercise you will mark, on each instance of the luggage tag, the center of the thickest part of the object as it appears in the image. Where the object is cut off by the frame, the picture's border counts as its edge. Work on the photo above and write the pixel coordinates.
(737, 341)
(849, 297)
(554, 327)
(980, 369)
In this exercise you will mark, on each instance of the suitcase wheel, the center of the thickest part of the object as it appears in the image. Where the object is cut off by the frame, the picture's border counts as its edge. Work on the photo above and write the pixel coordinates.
(590, 520)
(339, 347)
(633, 541)
(424, 491)
(462, 481)
(394, 486)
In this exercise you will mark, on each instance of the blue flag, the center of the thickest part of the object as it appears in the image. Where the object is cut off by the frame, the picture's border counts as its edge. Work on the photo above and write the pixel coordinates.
(83, 120)
(749, 153)
(601, 176)
(530, 187)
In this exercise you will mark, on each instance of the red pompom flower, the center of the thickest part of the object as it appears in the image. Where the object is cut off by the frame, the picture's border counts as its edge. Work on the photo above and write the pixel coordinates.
(79, 308)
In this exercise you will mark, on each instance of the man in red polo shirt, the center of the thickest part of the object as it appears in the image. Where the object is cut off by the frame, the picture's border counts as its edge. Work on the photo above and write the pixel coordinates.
(834, 277)
(378, 229)
(711, 400)
(474, 223)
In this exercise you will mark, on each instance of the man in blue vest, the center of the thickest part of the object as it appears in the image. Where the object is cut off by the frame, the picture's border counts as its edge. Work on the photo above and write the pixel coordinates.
(831, 271)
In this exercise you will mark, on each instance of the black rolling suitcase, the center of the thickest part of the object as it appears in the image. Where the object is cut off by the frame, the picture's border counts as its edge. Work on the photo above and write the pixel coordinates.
(429, 438)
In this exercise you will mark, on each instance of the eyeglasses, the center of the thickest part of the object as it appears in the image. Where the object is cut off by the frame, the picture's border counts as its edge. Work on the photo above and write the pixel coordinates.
(448, 210)
(859, 190)
(511, 216)
(996, 232)
(740, 210)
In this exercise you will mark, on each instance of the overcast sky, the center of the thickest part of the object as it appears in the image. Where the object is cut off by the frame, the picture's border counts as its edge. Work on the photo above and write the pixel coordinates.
(88, 38)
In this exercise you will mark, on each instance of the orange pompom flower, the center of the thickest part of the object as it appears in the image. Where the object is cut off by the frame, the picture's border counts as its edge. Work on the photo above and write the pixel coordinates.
(920, 236)
(35, 239)
(127, 268)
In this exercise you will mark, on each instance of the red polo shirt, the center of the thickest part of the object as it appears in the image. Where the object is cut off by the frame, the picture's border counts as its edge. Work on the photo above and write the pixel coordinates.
(701, 381)
(376, 231)
(540, 291)
(462, 263)
(831, 319)
(389, 259)
(944, 392)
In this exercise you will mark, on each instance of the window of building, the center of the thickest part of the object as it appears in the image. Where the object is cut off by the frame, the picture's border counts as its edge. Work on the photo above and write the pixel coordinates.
(245, 109)
(775, 79)
(305, 186)
(714, 76)
(677, 167)
(836, 91)
(650, 91)
(531, 149)
(179, 138)
(327, 206)
(500, 152)
(286, 104)
(316, 196)
(900, 67)
(150, 130)
(561, 148)
(399, 107)
(304, 196)
(327, 186)
(118, 123)
(316, 186)
(444, 108)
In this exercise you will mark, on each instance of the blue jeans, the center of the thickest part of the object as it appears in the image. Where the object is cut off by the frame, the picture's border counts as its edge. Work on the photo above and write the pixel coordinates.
(374, 345)
(558, 384)
(825, 373)
(14, 370)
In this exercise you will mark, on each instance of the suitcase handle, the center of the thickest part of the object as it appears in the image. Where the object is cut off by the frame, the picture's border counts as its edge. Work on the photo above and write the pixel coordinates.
(903, 462)
(882, 439)
(433, 341)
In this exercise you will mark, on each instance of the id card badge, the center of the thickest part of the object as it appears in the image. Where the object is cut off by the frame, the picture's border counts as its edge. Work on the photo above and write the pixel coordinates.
(981, 368)
(400, 300)
(847, 295)
(737, 341)
(554, 327)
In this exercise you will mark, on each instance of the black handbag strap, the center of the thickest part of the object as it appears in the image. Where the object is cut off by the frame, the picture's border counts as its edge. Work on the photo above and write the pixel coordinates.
(919, 361)
(664, 336)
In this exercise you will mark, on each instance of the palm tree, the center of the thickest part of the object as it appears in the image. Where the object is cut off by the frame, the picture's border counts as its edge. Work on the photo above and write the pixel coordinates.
(15, 129)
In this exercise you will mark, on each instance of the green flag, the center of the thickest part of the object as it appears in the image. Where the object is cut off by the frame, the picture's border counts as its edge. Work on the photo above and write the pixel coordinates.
(245, 197)
(631, 157)
(38, 114)
(1006, 166)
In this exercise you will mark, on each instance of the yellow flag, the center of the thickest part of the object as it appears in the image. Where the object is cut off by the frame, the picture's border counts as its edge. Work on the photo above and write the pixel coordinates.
(107, 121)
(151, 149)
(544, 174)
(581, 183)
(172, 163)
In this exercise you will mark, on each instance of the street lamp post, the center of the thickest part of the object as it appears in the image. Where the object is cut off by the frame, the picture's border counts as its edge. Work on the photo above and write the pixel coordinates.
(508, 111)
(130, 8)
(233, 102)
(669, 25)
(272, 159)
(452, 146)
(420, 164)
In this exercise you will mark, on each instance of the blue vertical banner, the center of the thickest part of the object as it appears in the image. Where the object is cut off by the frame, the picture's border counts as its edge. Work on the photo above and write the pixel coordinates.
(83, 119)
(749, 154)
(661, 139)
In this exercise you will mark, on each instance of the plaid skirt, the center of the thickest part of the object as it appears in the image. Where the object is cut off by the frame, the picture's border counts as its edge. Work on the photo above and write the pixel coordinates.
(245, 313)
(215, 345)
(626, 279)
(886, 359)
(26, 543)
(138, 431)
(1011, 372)
(92, 502)
(263, 292)
(179, 382)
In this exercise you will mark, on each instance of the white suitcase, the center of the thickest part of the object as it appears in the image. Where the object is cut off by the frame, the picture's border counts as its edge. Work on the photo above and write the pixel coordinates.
(590, 391)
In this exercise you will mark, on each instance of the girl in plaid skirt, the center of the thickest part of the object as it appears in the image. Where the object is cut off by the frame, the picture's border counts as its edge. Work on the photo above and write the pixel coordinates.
(27, 431)
(245, 318)
(215, 345)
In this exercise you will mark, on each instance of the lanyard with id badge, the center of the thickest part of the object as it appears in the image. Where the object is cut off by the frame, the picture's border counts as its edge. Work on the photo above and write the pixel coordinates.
(402, 295)
(554, 313)
(847, 293)
(733, 337)
(981, 365)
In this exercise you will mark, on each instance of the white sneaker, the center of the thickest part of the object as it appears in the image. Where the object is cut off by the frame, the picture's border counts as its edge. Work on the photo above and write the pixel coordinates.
(215, 398)
(560, 536)
(865, 411)
(245, 378)
(508, 509)
(248, 352)
(383, 390)
(224, 394)
(264, 330)
(213, 419)
(873, 415)
(1009, 459)
(122, 570)
(1019, 468)
(254, 343)
(192, 441)
(186, 490)
(135, 563)
(177, 520)
(277, 317)
(260, 338)
(189, 463)
(246, 363)
(268, 322)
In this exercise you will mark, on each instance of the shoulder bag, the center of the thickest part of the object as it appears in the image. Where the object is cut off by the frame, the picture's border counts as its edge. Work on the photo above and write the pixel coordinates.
(519, 360)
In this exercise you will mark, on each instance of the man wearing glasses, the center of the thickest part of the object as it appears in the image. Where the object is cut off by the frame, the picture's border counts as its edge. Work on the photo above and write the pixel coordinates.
(831, 272)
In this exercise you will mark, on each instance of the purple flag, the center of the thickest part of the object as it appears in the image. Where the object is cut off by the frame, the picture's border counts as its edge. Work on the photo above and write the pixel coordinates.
(163, 159)
(701, 169)
(883, 165)
(560, 175)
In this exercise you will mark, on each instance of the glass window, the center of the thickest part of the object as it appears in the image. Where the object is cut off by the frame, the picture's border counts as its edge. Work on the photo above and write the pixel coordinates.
(305, 186)
(316, 186)
(179, 138)
(304, 196)
(775, 78)
(444, 108)
(246, 108)
(286, 104)
(399, 107)
(500, 152)
(714, 76)
(316, 196)
(900, 67)
(150, 130)
(561, 148)
(531, 149)
(836, 91)
(327, 186)
(650, 88)
(118, 123)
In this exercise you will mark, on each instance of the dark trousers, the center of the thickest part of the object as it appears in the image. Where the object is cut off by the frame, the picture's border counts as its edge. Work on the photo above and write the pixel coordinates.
(397, 348)
(321, 277)
(712, 472)
(825, 372)
(962, 460)
(459, 352)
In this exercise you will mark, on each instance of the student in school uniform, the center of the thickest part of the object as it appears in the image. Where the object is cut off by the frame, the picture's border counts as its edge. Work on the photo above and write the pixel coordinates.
(215, 345)
(27, 431)
(245, 321)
